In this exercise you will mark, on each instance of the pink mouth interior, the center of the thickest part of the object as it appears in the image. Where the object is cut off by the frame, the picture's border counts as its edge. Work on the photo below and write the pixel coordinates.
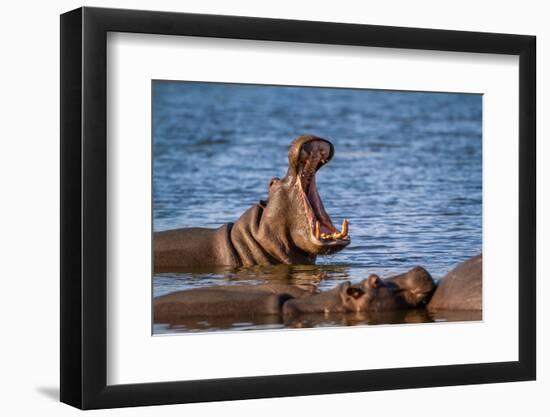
(316, 204)
(314, 155)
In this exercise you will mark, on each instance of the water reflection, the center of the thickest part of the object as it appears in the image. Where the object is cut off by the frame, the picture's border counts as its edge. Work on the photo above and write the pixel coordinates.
(271, 322)
(321, 276)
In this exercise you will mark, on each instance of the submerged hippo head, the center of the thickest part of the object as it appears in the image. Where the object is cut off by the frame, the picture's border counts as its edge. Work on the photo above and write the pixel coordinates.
(294, 207)
(416, 286)
(341, 299)
(409, 290)
(378, 295)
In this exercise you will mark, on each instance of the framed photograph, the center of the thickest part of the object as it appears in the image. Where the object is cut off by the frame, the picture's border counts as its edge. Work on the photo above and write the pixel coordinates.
(259, 208)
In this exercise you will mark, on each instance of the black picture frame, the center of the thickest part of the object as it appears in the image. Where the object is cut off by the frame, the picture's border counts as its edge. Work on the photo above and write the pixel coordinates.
(84, 207)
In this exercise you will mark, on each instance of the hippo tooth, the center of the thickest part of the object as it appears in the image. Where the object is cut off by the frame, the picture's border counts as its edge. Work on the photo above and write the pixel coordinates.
(345, 228)
(317, 229)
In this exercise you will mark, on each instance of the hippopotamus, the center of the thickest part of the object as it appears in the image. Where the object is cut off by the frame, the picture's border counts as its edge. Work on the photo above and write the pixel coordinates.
(409, 290)
(290, 227)
(461, 288)
(225, 301)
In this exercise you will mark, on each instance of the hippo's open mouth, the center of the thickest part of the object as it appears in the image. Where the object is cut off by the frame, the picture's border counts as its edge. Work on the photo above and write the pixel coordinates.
(313, 155)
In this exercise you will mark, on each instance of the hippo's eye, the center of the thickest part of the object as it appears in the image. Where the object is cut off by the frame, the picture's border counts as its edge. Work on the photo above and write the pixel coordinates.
(355, 292)
(273, 180)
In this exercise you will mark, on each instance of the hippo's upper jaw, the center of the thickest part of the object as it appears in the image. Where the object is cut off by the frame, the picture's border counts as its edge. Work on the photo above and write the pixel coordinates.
(307, 154)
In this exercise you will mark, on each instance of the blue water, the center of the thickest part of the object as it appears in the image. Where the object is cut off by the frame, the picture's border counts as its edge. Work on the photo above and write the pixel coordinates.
(407, 172)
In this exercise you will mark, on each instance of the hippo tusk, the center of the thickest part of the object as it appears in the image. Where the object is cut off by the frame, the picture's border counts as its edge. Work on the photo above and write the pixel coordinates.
(336, 235)
(345, 224)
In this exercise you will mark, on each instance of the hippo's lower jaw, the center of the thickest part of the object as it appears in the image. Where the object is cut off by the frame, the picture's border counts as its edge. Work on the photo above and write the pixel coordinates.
(324, 236)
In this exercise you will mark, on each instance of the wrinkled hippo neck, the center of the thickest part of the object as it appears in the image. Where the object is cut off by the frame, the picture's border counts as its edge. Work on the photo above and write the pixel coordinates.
(258, 242)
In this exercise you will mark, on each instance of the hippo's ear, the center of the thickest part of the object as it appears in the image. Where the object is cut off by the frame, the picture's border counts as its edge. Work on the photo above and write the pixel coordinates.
(373, 281)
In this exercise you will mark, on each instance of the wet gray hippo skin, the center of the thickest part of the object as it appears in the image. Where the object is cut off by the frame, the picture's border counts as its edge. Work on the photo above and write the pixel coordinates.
(460, 289)
(341, 299)
(372, 294)
(225, 301)
(416, 286)
(291, 227)
(409, 290)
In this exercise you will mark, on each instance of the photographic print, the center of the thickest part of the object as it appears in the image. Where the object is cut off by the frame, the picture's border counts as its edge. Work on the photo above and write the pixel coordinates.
(286, 207)
(329, 185)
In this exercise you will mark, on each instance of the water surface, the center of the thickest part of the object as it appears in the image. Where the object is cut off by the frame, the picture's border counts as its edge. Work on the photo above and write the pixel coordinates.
(407, 173)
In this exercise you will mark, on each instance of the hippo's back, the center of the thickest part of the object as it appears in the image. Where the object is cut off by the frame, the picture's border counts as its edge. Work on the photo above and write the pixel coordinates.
(460, 289)
(213, 302)
(193, 247)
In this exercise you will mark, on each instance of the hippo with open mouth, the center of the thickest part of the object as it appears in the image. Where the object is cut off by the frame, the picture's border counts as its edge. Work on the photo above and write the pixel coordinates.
(291, 227)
